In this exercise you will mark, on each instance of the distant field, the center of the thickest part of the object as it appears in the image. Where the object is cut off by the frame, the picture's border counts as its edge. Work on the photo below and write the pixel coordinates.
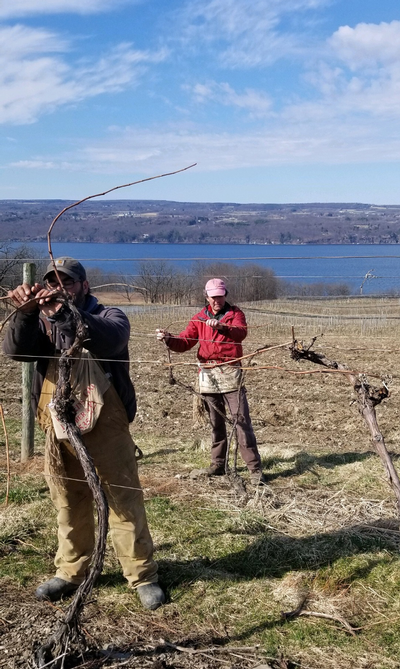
(325, 528)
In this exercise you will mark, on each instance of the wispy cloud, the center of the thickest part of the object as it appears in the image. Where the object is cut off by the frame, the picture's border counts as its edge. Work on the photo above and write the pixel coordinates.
(19, 41)
(297, 141)
(338, 126)
(18, 8)
(42, 165)
(349, 112)
(256, 103)
(35, 79)
(246, 36)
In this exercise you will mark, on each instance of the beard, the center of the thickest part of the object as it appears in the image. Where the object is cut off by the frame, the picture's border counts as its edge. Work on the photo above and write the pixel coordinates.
(79, 298)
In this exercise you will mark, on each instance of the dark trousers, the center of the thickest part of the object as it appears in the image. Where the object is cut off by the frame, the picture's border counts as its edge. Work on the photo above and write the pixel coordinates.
(238, 405)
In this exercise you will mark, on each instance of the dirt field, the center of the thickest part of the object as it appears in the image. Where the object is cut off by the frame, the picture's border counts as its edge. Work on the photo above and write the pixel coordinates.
(326, 525)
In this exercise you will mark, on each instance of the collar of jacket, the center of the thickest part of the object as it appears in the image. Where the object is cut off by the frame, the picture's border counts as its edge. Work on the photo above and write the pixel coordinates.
(91, 304)
(225, 309)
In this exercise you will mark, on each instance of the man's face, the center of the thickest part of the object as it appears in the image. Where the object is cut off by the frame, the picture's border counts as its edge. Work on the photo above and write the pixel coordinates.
(216, 303)
(77, 289)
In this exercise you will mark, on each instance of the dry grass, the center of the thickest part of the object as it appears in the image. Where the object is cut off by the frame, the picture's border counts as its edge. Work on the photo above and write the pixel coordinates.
(325, 527)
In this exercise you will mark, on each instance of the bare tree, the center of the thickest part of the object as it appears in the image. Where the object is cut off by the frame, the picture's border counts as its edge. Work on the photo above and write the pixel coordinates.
(254, 282)
(164, 284)
(11, 261)
(316, 289)
(156, 277)
(246, 283)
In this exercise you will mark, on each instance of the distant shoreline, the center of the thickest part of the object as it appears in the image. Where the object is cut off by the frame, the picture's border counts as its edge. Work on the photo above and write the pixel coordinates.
(374, 266)
(207, 244)
(163, 223)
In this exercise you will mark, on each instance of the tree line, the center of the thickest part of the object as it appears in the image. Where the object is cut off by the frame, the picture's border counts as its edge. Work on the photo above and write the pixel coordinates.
(160, 282)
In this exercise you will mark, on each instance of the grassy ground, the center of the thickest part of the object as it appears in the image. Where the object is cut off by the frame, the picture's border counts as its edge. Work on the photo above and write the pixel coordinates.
(232, 559)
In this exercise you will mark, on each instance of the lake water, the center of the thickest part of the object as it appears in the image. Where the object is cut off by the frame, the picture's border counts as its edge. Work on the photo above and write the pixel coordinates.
(303, 264)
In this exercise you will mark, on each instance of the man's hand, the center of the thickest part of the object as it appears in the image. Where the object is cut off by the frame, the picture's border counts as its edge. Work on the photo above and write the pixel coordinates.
(22, 296)
(214, 324)
(163, 335)
(48, 302)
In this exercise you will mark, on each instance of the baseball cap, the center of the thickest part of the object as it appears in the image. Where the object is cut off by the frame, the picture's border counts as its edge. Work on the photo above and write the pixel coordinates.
(215, 287)
(69, 266)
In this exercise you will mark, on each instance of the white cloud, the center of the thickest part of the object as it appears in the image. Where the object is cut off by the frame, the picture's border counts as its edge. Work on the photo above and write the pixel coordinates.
(367, 44)
(246, 35)
(18, 8)
(35, 79)
(354, 116)
(341, 96)
(256, 103)
(360, 74)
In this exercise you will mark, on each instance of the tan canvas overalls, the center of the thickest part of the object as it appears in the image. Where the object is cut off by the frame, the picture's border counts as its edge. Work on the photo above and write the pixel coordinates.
(113, 452)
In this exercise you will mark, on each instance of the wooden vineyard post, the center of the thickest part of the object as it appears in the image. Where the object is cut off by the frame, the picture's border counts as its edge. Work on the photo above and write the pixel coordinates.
(28, 419)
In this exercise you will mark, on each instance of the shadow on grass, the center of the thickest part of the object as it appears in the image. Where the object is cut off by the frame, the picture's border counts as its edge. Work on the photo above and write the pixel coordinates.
(273, 555)
(162, 451)
(112, 579)
(303, 462)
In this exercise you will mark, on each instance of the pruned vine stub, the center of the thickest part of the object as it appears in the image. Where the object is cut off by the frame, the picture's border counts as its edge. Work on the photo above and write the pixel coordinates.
(368, 397)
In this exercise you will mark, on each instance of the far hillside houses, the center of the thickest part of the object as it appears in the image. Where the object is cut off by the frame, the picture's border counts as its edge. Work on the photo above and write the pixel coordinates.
(161, 221)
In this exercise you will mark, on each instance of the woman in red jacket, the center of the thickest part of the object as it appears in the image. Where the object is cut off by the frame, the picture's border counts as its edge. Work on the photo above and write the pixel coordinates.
(220, 328)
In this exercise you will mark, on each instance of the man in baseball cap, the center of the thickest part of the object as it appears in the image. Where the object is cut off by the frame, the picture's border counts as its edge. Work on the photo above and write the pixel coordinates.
(71, 276)
(68, 266)
(220, 328)
(108, 441)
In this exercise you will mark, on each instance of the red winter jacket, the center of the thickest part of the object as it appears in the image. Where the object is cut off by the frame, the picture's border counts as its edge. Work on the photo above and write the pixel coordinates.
(216, 345)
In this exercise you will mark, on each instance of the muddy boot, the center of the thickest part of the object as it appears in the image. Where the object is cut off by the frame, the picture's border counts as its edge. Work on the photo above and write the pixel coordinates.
(55, 589)
(151, 596)
(212, 470)
(257, 478)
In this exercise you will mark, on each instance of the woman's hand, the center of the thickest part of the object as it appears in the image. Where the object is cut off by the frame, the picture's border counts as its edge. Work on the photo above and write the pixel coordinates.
(163, 335)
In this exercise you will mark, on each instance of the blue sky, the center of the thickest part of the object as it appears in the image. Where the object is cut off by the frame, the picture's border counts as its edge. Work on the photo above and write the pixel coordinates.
(275, 100)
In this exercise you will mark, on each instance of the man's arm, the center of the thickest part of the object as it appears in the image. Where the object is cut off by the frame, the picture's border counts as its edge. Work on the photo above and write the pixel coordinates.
(108, 333)
(26, 335)
(25, 338)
